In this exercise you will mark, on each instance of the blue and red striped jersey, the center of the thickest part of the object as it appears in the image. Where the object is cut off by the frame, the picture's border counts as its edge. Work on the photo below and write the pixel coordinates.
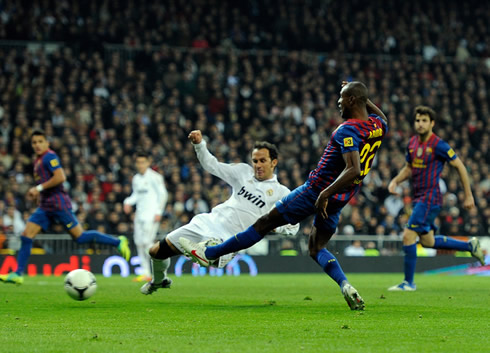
(352, 135)
(427, 160)
(52, 199)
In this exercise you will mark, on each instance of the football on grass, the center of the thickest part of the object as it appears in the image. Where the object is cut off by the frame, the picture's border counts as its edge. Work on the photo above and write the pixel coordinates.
(80, 284)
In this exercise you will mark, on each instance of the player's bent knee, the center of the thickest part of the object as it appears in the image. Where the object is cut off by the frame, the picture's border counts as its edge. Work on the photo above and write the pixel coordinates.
(154, 249)
(162, 250)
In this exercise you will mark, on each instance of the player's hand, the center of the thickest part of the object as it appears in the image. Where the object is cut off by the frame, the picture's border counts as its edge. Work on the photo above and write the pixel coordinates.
(392, 188)
(32, 194)
(195, 136)
(157, 218)
(469, 202)
(344, 83)
(127, 208)
(321, 205)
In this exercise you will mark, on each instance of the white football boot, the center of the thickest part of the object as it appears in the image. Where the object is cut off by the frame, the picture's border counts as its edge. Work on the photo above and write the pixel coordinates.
(149, 287)
(352, 297)
(403, 287)
(195, 251)
(476, 250)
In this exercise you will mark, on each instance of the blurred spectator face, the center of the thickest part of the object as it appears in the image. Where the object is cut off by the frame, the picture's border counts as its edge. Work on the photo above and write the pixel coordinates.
(263, 164)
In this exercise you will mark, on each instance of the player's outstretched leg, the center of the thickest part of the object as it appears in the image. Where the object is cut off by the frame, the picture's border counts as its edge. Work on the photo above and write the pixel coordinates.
(352, 297)
(476, 250)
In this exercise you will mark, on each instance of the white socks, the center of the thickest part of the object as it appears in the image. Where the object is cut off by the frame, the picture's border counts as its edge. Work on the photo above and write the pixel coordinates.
(159, 269)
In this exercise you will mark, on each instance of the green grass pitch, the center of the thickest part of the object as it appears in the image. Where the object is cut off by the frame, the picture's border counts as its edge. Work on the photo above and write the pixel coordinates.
(267, 313)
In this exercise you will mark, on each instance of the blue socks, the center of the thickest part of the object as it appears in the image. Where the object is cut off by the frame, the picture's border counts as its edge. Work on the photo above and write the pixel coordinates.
(101, 238)
(242, 240)
(410, 261)
(331, 266)
(443, 242)
(23, 255)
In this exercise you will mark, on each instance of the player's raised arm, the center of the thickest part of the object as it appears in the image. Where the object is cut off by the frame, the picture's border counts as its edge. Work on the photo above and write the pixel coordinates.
(210, 163)
(373, 109)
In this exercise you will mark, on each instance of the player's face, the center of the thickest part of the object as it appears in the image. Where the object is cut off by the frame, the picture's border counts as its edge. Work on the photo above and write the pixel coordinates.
(142, 164)
(262, 164)
(39, 144)
(344, 104)
(423, 124)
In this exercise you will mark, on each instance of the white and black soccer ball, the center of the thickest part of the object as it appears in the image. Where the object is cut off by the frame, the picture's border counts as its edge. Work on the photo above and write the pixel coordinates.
(80, 284)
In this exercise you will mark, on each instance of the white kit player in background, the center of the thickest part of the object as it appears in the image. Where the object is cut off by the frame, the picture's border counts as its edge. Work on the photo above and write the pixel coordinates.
(150, 197)
(255, 190)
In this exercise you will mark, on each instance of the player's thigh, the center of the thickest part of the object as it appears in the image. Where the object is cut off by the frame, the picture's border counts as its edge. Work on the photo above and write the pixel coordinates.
(68, 219)
(422, 218)
(31, 230)
(409, 237)
(298, 204)
(188, 233)
(37, 221)
(427, 240)
(327, 226)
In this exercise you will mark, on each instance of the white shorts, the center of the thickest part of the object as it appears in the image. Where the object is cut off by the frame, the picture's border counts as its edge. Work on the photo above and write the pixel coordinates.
(145, 232)
(200, 228)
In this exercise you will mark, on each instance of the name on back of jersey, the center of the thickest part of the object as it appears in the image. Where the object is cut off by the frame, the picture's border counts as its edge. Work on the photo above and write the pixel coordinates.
(375, 133)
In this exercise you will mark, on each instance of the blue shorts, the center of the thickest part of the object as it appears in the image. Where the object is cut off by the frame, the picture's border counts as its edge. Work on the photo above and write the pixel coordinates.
(422, 218)
(300, 204)
(45, 218)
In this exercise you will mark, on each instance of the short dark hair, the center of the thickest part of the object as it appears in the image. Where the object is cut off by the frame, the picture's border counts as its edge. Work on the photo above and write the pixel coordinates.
(425, 110)
(358, 90)
(273, 152)
(38, 132)
(141, 153)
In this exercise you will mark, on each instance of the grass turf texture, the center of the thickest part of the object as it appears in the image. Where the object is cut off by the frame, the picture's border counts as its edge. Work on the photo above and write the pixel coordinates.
(267, 313)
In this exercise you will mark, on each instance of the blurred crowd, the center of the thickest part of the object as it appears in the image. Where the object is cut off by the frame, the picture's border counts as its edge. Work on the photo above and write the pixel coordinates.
(180, 70)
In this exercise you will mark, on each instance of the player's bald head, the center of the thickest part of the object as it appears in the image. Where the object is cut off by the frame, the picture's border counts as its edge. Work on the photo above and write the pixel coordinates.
(356, 89)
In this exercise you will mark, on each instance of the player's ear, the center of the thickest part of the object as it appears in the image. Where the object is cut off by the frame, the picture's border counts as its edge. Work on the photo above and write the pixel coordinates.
(274, 163)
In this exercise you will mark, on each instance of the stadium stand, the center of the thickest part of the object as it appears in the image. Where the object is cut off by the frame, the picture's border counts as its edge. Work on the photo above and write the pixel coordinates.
(105, 77)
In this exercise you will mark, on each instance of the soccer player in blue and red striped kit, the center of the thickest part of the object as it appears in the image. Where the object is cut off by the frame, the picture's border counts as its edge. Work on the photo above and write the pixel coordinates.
(426, 156)
(55, 206)
(338, 177)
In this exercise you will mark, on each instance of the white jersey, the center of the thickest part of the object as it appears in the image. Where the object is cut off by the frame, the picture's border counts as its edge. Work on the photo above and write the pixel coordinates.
(250, 197)
(149, 195)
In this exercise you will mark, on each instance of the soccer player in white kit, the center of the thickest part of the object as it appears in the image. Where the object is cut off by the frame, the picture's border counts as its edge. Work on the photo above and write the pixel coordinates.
(255, 190)
(150, 197)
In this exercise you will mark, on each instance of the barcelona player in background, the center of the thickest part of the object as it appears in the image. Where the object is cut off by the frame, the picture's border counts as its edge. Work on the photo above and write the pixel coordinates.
(426, 156)
(346, 160)
(54, 206)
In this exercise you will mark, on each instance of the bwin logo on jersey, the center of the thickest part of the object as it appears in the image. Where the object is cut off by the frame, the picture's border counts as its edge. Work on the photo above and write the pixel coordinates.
(256, 200)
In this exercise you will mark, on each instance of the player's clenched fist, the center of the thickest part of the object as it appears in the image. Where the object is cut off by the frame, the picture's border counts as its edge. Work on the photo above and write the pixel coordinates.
(195, 136)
